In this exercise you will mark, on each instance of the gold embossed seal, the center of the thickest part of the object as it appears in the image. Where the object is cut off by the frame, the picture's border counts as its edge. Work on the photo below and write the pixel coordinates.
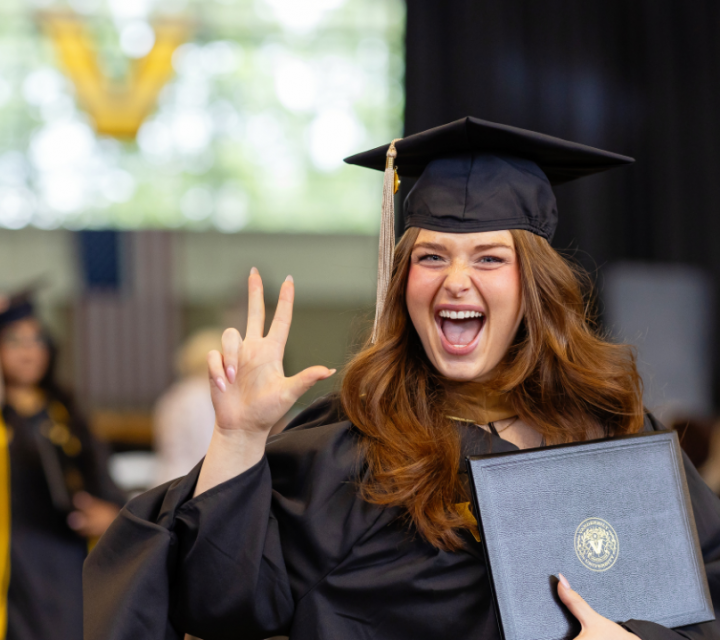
(596, 544)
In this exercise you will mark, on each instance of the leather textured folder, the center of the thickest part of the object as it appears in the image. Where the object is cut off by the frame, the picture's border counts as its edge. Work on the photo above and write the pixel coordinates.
(613, 516)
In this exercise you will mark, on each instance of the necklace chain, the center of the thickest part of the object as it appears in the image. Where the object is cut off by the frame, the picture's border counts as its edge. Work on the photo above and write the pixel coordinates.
(507, 426)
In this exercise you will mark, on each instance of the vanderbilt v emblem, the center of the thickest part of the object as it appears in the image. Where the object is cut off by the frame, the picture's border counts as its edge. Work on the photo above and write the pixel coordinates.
(116, 108)
(597, 546)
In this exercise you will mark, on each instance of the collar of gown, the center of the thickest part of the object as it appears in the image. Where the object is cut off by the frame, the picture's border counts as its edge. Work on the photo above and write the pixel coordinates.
(490, 407)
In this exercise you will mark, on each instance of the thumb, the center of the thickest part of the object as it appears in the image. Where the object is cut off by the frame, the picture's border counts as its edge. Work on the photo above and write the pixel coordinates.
(572, 600)
(301, 382)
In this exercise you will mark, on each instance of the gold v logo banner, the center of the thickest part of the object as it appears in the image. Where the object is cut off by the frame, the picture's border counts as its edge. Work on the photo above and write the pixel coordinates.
(117, 108)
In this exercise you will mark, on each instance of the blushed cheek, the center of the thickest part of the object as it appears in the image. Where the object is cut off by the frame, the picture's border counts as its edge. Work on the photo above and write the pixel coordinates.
(416, 290)
(514, 305)
(507, 291)
(419, 294)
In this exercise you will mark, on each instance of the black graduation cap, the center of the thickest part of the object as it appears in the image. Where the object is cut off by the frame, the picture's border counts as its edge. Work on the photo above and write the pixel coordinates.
(19, 306)
(475, 175)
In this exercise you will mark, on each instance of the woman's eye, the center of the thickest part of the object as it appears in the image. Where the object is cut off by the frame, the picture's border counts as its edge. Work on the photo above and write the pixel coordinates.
(429, 257)
(490, 260)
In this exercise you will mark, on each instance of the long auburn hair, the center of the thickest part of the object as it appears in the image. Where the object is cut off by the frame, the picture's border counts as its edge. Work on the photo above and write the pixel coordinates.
(560, 375)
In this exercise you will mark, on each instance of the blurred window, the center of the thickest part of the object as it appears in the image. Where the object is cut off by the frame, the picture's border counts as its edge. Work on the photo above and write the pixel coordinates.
(261, 101)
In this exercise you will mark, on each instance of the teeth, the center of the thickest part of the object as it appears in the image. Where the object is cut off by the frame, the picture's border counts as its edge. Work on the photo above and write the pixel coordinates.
(460, 315)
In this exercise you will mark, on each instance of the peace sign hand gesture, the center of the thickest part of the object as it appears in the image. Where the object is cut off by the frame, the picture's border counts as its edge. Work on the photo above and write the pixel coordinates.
(250, 392)
(249, 389)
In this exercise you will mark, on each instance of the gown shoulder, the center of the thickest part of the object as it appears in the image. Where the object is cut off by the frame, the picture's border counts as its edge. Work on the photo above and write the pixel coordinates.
(282, 524)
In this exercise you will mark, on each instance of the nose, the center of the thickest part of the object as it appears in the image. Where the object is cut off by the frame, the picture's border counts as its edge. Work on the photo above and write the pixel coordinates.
(457, 282)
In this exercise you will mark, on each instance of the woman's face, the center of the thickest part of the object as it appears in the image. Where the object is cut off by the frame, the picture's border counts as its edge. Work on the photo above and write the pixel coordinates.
(464, 299)
(24, 355)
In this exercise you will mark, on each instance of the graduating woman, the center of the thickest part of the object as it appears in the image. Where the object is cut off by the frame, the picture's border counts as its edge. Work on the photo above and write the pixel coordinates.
(353, 523)
(60, 493)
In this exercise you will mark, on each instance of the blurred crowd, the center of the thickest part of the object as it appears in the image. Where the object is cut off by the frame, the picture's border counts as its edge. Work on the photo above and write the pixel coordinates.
(57, 481)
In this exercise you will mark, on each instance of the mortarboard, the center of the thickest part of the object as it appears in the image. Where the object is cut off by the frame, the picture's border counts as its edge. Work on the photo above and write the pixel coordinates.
(19, 307)
(475, 175)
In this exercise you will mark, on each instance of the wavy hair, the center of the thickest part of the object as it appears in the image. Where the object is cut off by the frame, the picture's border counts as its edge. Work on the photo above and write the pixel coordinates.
(560, 375)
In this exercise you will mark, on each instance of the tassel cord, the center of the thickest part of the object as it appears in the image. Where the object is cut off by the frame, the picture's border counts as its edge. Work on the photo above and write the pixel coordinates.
(386, 247)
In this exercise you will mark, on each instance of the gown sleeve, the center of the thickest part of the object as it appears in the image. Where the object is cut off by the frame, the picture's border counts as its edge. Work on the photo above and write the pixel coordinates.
(127, 576)
(706, 508)
(231, 562)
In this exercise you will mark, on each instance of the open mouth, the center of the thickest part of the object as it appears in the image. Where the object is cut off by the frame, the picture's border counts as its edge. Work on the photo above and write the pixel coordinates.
(460, 330)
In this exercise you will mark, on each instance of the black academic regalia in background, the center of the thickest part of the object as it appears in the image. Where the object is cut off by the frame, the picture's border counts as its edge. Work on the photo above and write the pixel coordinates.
(289, 548)
(46, 556)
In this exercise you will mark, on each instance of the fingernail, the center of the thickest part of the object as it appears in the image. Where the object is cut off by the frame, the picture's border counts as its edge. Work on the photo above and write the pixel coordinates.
(220, 384)
(563, 580)
(253, 271)
(230, 375)
(289, 279)
(74, 520)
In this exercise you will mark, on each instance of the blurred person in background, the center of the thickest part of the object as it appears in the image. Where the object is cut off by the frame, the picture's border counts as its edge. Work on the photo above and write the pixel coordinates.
(184, 417)
(61, 495)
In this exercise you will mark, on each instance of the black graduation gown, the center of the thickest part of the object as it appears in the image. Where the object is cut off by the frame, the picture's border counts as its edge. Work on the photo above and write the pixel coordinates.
(288, 548)
(46, 556)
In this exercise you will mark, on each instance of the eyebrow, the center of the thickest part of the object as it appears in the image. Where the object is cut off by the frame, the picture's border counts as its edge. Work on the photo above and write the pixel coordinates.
(480, 247)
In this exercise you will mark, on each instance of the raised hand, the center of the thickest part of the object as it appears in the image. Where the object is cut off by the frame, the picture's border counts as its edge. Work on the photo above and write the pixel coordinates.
(249, 389)
(250, 392)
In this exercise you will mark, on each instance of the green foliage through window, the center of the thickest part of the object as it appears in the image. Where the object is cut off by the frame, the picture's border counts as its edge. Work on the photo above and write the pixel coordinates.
(266, 98)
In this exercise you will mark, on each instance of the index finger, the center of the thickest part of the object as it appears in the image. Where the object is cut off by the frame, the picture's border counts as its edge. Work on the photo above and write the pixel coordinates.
(256, 306)
(280, 327)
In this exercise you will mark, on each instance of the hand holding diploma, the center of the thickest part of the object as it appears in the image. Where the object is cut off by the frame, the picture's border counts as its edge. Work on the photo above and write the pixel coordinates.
(594, 626)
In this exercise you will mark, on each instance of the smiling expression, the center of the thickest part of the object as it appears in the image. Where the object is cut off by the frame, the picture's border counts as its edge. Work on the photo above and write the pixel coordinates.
(464, 298)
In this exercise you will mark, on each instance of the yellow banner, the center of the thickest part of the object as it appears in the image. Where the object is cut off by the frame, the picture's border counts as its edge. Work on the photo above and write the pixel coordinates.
(117, 108)
(4, 526)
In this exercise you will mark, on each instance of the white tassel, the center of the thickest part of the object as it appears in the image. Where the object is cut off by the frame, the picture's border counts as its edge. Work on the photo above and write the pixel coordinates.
(387, 236)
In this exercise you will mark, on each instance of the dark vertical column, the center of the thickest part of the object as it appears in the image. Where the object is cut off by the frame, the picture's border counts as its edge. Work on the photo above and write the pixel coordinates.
(640, 78)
